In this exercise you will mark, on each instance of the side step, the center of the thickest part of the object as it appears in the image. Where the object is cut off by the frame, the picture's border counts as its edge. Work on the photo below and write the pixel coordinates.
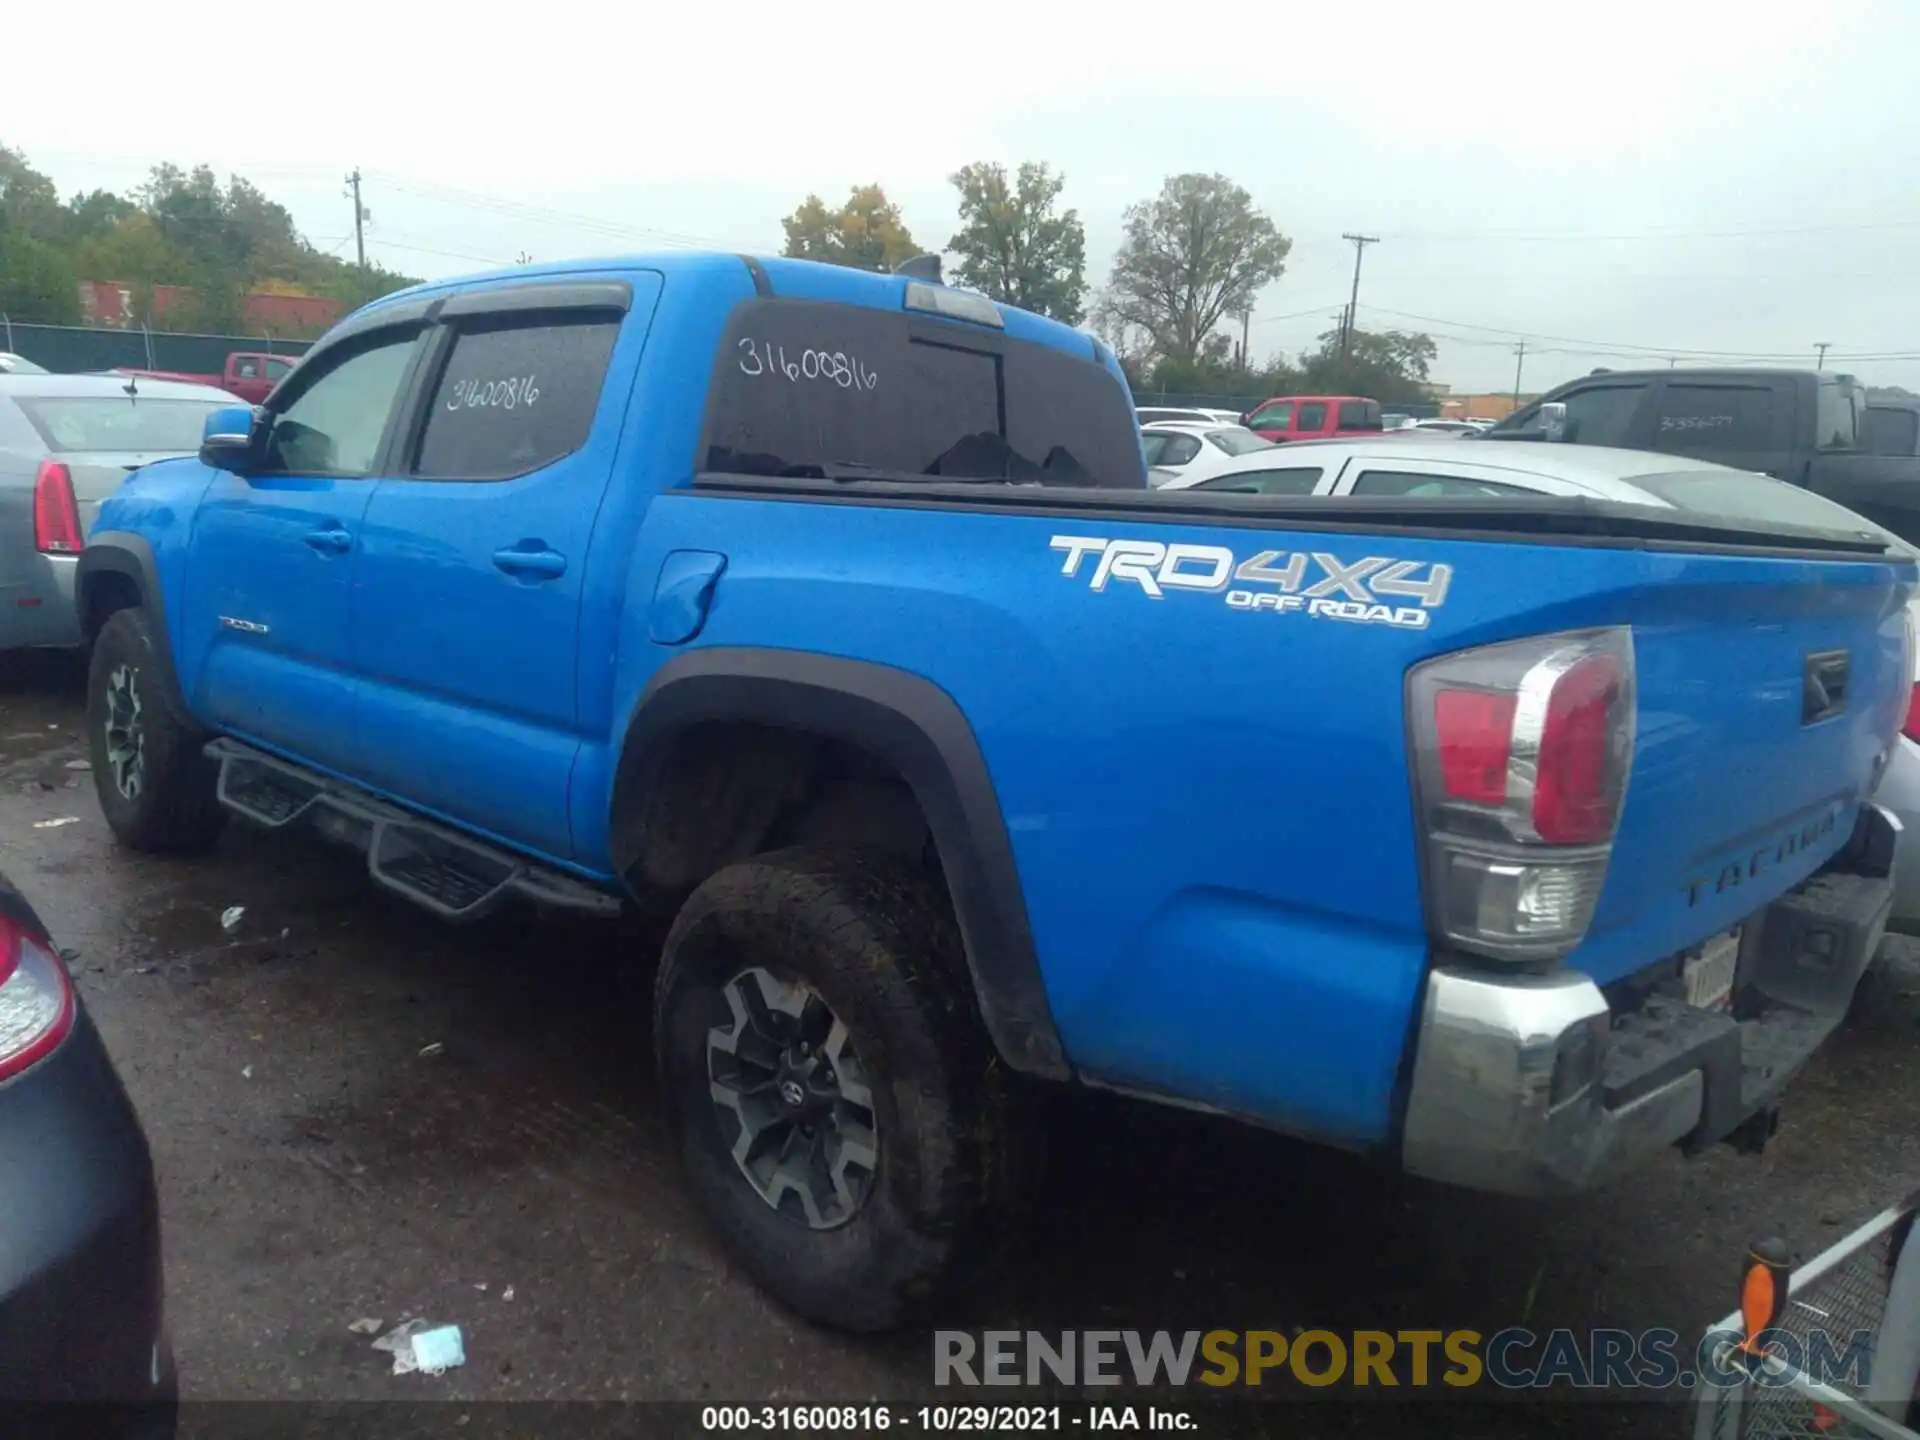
(453, 875)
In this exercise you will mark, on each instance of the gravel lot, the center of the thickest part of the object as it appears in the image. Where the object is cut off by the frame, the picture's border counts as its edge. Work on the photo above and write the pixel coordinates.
(316, 1167)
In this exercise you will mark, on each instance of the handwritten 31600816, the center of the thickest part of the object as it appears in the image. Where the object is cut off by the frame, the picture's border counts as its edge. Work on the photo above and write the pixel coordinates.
(507, 394)
(762, 357)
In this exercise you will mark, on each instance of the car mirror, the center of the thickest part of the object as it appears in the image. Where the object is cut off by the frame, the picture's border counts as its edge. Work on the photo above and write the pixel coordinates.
(1553, 421)
(226, 439)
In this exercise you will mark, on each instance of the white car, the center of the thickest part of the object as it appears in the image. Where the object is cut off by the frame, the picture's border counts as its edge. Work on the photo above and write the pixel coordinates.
(1415, 467)
(1188, 453)
(1446, 427)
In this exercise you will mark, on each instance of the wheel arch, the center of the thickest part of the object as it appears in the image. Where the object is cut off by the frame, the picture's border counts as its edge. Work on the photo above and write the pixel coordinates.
(117, 571)
(907, 723)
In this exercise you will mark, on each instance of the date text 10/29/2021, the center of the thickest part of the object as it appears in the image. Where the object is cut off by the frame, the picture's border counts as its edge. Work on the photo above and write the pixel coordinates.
(943, 1419)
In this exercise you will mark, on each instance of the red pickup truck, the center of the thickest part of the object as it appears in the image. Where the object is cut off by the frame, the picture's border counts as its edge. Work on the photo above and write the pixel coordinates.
(1313, 417)
(249, 375)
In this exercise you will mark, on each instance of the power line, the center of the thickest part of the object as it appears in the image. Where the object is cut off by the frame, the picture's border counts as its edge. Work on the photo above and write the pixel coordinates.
(522, 210)
(1588, 237)
(1601, 347)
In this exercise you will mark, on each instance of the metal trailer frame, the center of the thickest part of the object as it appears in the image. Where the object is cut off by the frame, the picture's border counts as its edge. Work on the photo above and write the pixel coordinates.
(1843, 1289)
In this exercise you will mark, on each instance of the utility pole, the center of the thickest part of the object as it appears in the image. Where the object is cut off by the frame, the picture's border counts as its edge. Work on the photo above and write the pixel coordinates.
(1519, 359)
(1822, 346)
(1360, 243)
(359, 221)
(1246, 325)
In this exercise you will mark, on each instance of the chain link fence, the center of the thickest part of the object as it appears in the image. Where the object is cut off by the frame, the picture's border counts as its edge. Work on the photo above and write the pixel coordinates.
(75, 350)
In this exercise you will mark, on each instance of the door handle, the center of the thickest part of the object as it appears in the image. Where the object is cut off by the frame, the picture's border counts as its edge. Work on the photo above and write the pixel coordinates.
(531, 564)
(334, 541)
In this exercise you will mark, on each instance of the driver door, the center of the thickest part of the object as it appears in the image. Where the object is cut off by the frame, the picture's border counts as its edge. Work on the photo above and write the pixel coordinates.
(266, 625)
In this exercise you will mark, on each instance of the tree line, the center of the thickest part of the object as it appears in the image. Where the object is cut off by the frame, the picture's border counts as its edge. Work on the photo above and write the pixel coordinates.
(1191, 262)
(180, 228)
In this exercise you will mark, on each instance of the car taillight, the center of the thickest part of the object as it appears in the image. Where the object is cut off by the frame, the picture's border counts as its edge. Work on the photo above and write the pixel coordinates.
(1521, 756)
(1911, 726)
(36, 1000)
(56, 518)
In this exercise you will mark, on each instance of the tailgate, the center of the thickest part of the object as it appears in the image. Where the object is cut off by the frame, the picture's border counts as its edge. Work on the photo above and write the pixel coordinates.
(1769, 695)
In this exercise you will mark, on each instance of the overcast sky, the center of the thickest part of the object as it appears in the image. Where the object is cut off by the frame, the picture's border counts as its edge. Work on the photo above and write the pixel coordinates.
(1663, 178)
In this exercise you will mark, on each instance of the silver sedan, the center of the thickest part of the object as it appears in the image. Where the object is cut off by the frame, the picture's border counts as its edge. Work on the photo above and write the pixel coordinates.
(66, 443)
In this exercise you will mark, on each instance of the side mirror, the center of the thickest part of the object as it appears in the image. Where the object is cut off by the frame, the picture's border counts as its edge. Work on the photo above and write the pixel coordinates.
(1553, 421)
(226, 440)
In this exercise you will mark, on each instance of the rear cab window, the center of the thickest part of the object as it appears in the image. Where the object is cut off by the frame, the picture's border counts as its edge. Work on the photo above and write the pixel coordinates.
(822, 388)
(117, 424)
(1889, 430)
(1738, 495)
(1238, 442)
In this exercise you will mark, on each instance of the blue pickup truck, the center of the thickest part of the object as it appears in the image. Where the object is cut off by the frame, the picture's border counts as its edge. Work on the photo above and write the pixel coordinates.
(1512, 840)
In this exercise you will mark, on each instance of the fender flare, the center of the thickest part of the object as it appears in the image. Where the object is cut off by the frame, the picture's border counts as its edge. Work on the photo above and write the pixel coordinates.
(122, 552)
(916, 727)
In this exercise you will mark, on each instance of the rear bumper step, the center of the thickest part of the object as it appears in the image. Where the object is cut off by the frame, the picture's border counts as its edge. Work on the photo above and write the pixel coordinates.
(435, 866)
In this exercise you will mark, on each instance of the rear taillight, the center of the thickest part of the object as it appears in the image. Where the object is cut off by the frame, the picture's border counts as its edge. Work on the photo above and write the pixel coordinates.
(56, 518)
(1910, 727)
(36, 1000)
(1521, 758)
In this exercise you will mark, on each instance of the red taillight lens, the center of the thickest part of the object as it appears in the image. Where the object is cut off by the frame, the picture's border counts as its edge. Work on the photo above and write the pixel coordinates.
(1521, 758)
(1474, 729)
(1911, 728)
(56, 518)
(1573, 801)
(36, 1000)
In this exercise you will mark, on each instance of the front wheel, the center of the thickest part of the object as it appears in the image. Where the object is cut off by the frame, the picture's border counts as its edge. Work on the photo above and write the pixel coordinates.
(838, 1108)
(157, 788)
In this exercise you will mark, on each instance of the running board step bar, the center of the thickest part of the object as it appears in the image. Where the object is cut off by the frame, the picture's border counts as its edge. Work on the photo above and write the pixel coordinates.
(453, 875)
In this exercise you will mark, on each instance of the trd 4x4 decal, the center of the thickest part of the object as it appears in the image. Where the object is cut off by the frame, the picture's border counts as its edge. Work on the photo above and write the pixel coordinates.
(1307, 582)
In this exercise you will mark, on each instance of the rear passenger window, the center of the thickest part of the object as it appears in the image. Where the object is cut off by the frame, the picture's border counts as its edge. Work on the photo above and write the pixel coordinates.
(1715, 417)
(1886, 431)
(1399, 482)
(1265, 482)
(515, 396)
(1312, 417)
(1359, 415)
(1178, 450)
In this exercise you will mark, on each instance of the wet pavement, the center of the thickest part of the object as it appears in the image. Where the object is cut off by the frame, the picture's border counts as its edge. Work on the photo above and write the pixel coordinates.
(358, 1112)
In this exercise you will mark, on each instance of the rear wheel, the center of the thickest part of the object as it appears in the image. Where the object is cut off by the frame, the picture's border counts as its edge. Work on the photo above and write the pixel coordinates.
(838, 1108)
(156, 787)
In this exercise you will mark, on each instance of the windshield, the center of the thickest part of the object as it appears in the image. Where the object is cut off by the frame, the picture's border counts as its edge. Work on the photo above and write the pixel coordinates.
(815, 388)
(1153, 444)
(1739, 495)
(123, 425)
(1239, 442)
